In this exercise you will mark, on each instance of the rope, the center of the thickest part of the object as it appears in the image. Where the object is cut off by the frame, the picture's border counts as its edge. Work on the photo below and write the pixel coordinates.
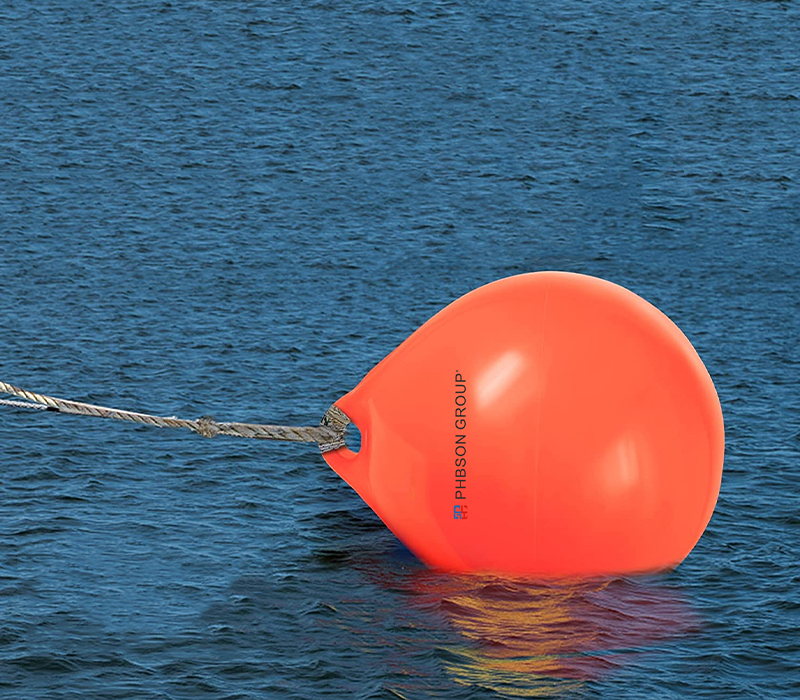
(329, 434)
(25, 404)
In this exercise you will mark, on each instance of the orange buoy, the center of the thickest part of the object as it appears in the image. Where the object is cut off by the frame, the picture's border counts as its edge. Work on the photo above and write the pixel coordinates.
(548, 424)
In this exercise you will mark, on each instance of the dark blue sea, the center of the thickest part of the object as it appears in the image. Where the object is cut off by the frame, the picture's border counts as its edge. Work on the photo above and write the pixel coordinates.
(238, 209)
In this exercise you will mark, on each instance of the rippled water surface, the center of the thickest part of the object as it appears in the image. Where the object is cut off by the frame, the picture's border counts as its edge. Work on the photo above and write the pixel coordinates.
(237, 209)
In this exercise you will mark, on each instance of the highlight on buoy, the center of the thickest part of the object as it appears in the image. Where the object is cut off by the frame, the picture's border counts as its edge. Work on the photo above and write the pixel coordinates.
(549, 424)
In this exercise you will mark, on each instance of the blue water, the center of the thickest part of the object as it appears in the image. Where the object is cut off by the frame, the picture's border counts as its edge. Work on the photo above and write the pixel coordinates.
(238, 210)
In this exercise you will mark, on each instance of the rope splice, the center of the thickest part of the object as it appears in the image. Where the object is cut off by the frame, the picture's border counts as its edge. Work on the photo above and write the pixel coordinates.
(329, 434)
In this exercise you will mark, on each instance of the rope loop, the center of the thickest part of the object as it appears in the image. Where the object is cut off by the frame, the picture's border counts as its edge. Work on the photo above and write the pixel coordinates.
(336, 420)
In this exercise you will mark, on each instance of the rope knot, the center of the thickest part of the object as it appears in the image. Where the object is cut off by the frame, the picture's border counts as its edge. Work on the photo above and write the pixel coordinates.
(206, 426)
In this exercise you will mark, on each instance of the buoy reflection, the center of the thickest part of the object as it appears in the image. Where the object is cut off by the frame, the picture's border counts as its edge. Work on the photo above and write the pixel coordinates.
(531, 639)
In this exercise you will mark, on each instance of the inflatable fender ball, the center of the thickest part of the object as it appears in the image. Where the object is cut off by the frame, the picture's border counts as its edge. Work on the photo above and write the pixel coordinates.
(548, 424)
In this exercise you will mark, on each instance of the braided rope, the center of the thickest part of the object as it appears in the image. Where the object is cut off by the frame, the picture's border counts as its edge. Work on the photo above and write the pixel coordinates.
(329, 434)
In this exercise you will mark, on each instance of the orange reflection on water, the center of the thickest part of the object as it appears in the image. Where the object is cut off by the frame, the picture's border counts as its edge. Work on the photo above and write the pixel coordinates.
(526, 639)
(529, 639)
